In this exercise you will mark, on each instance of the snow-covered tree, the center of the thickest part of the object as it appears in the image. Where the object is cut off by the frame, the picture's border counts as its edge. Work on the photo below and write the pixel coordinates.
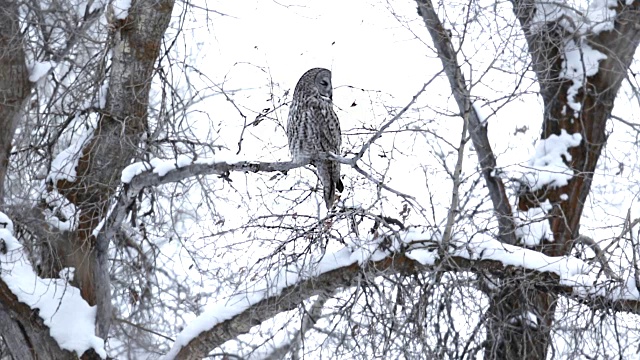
(148, 207)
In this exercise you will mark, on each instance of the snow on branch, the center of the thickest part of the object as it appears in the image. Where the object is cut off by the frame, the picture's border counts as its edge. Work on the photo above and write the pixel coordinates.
(598, 16)
(580, 59)
(548, 166)
(533, 225)
(163, 171)
(139, 175)
(156, 172)
(61, 213)
(63, 166)
(70, 319)
(38, 70)
(407, 252)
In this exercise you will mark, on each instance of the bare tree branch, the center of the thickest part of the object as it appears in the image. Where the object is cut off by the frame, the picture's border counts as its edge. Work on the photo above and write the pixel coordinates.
(477, 129)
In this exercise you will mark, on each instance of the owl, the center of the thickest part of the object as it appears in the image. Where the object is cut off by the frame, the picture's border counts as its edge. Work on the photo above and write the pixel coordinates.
(313, 128)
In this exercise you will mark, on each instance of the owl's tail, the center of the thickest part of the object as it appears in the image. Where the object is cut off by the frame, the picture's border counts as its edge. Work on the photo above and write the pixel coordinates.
(329, 173)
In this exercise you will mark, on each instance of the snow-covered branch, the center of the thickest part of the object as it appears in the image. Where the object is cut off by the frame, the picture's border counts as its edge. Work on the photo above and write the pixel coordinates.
(140, 175)
(157, 172)
(64, 315)
(133, 50)
(411, 252)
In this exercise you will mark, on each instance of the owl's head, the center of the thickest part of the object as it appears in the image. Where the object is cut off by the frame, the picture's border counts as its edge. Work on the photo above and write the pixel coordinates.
(316, 79)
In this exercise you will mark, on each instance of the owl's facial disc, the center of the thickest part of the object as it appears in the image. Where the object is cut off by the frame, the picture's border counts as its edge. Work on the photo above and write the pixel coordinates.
(323, 83)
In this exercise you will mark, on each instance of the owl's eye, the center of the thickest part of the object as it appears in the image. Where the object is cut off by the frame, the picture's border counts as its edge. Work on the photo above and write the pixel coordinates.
(324, 83)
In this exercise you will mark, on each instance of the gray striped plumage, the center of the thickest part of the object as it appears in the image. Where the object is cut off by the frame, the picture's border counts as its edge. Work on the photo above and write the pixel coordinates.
(313, 127)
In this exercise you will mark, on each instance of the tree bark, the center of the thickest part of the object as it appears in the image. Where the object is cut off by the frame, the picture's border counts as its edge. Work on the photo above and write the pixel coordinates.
(546, 45)
(26, 335)
(14, 82)
(597, 98)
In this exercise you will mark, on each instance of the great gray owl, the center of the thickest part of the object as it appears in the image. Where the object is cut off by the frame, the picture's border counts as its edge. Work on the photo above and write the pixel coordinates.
(313, 128)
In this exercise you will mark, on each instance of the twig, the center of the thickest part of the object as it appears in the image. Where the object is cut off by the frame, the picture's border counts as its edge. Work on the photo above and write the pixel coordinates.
(378, 134)
(600, 255)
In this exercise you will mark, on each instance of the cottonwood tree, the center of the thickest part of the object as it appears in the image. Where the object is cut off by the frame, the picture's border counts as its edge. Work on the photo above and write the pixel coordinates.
(122, 220)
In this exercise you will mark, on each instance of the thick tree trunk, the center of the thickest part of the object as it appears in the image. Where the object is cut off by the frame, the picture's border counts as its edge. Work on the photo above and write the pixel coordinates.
(115, 143)
(509, 338)
(24, 334)
(519, 320)
(14, 82)
(113, 146)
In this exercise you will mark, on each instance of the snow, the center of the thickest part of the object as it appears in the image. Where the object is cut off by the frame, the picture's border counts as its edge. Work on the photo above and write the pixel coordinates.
(67, 273)
(547, 11)
(580, 61)
(491, 249)
(121, 9)
(103, 91)
(597, 17)
(63, 166)
(423, 256)
(6, 223)
(163, 166)
(546, 167)
(368, 249)
(271, 285)
(478, 106)
(581, 283)
(533, 225)
(184, 160)
(60, 212)
(39, 70)
(70, 319)
(601, 15)
(528, 318)
(630, 291)
(134, 169)
(98, 228)
(81, 8)
(225, 157)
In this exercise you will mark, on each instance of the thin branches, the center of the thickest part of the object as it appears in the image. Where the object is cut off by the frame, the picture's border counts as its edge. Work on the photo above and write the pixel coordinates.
(477, 128)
